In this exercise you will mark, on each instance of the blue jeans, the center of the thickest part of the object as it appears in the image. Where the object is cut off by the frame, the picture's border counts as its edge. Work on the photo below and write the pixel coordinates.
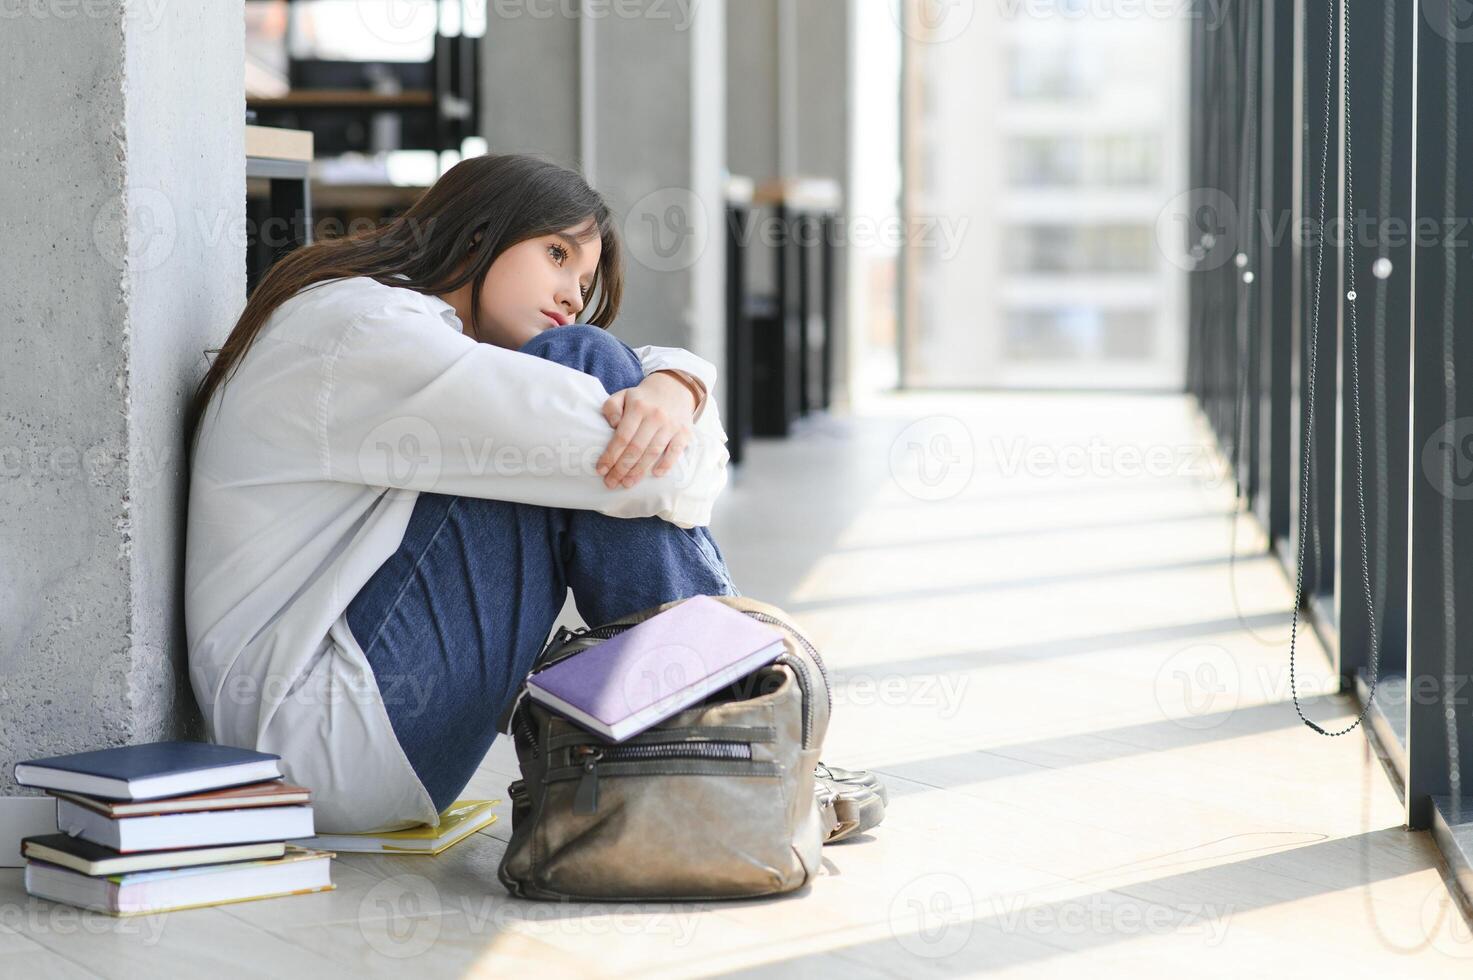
(468, 600)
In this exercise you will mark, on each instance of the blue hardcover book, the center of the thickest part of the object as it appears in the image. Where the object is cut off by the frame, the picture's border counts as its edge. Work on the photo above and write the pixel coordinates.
(652, 670)
(149, 771)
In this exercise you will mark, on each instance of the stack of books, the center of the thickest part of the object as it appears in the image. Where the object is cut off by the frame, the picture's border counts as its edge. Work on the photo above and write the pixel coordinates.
(170, 825)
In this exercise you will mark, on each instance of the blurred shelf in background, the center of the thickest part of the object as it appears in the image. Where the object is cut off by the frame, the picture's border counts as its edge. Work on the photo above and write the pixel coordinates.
(389, 99)
(278, 196)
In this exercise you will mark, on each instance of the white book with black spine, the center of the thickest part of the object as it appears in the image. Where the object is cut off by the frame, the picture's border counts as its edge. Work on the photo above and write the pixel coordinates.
(159, 831)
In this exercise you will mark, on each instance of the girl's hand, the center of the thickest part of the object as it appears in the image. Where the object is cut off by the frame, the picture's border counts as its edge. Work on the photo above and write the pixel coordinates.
(652, 427)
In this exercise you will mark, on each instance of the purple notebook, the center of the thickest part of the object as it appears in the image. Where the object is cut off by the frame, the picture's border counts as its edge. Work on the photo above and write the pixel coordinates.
(642, 676)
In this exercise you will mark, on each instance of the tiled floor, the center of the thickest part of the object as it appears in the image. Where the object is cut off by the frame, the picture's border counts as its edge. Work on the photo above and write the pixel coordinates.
(1093, 763)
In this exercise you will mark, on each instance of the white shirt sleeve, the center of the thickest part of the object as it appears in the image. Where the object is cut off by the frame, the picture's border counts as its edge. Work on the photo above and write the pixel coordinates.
(406, 403)
(706, 423)
(677, 359)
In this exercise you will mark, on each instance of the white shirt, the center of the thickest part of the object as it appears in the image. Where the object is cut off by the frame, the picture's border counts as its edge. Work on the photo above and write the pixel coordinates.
(354, 398)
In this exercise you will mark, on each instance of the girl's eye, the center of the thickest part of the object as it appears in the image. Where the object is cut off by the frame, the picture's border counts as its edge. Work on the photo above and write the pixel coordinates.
(558, 252)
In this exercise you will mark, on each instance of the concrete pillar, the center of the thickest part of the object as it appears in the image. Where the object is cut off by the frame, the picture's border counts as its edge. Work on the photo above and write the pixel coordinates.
(755, 55)
(122, 183)
(632, 92)
(753, 48)
(821, 135)
(790, 114)
(816, 88)
(530, 79)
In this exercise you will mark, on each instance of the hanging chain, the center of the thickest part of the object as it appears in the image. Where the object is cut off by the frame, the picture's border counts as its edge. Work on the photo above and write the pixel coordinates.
(1350, 298)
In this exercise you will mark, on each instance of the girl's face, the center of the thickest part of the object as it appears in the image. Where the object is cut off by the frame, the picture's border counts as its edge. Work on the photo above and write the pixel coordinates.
(538, 284)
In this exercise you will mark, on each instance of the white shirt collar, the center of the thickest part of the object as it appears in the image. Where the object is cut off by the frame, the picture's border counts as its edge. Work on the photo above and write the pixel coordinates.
(446, 311)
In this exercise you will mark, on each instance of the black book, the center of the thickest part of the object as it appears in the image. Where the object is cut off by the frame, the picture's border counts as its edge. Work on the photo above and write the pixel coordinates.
(97, 859)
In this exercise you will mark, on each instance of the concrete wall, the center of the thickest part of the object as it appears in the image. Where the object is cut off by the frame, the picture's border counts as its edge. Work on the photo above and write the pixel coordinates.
(122, 190)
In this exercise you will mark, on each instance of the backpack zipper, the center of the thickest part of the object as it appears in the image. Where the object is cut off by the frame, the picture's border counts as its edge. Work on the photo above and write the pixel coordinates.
(666, 750)
(585, 798)
(802, 640)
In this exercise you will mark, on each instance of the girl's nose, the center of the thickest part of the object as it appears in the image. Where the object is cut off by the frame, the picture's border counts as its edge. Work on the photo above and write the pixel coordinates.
(571, 302)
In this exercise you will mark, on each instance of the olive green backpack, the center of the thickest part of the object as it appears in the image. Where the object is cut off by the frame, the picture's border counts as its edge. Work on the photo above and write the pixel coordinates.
(716, 801)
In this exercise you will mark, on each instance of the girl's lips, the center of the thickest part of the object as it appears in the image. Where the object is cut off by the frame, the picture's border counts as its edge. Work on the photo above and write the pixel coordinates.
(557, 320)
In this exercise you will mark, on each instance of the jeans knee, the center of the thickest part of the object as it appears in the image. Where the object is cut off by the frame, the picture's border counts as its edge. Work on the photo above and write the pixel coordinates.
(574, 336)
(592, 350)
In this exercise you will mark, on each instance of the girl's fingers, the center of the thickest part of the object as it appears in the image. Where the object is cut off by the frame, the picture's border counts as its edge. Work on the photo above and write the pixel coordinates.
(624, 431)
(652, 452)
(633, 451)
(672, 454)
(614, 408)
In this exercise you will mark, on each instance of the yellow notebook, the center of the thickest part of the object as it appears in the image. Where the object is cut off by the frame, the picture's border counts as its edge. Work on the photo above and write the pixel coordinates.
(457, 822)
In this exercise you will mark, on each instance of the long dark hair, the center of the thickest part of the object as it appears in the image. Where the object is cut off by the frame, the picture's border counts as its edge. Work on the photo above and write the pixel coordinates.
(504, 198)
